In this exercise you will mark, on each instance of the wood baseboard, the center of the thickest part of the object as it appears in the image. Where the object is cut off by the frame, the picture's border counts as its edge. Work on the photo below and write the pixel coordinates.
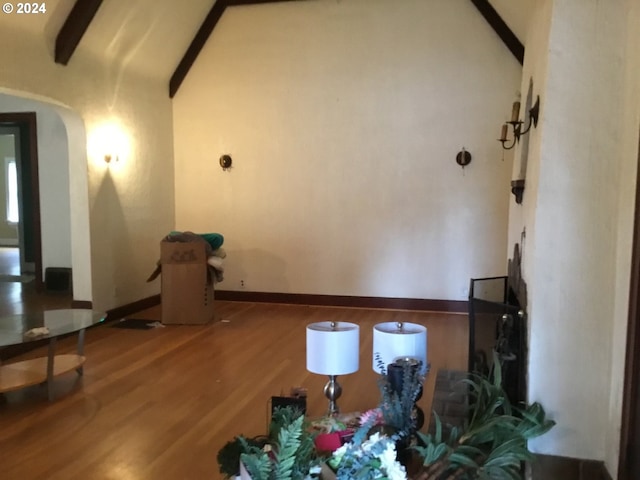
(133, 307)
(81, 304)
(123, 310)
(420, 304)
(550, 466)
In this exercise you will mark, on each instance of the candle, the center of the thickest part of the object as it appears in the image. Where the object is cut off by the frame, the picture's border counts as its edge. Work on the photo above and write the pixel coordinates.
(503, 137)
(515, 112)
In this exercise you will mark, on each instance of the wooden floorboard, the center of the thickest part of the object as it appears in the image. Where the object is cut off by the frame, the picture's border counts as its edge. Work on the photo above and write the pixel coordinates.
(17, 298)
(160, 403)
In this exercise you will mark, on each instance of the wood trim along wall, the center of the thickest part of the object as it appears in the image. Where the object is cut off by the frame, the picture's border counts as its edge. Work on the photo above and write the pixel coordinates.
(73, 29)
(201, 37)
(631, 395)
(133, 307)
(35, 198)
(81, 304)
(451, 306)
(551, 467)
(501, 28)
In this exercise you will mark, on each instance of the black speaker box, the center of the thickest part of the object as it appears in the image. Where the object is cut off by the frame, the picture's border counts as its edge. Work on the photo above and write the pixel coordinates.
(57, 279)
(298, 402)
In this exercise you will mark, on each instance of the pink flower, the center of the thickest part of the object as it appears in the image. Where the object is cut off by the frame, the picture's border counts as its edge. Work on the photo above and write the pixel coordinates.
(372, 417)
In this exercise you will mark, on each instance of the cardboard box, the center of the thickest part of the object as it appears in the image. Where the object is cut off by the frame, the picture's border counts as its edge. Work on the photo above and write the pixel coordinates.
(187, 292)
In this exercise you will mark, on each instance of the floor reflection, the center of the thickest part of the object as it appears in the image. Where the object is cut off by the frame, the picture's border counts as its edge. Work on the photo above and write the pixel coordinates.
(21, 297)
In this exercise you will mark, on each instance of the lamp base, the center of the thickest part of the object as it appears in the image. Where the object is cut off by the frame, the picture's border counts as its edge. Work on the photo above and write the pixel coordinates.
(332, 391)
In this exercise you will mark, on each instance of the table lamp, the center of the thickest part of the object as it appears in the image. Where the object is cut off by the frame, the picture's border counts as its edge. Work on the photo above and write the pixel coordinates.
(394, 340)
(333, 348)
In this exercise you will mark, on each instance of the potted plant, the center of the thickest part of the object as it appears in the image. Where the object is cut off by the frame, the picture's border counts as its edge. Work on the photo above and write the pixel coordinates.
(493, 443)
(287, 452)
(400, 385)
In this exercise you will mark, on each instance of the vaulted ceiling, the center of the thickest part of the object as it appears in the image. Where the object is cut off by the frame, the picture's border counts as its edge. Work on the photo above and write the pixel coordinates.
(161, 38)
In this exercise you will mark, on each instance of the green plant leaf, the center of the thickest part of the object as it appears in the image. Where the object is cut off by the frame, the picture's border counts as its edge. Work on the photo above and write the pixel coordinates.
(288, 443)
(458, 458)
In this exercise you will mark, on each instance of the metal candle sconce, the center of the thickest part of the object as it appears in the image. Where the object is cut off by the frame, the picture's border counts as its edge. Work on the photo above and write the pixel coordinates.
(517, 124)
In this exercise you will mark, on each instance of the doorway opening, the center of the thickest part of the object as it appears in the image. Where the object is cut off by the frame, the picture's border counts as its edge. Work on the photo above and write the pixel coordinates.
(18, 142)
(61, 217)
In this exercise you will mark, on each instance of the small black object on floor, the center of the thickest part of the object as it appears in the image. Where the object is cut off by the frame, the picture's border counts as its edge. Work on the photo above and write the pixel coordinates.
(134, 323)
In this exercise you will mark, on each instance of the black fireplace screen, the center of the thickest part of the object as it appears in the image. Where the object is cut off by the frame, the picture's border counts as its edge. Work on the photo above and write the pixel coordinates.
(497, 323)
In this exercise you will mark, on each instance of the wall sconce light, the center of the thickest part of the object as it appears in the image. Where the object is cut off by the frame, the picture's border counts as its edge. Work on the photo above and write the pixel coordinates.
(109, 156)
(517, 124)
(463, 158)
(225, 162)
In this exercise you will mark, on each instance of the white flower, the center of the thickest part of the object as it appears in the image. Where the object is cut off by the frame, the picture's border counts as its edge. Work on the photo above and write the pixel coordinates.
(371, 441)
(340, 451)
(389, 464)
(338, 454)
(389, 467)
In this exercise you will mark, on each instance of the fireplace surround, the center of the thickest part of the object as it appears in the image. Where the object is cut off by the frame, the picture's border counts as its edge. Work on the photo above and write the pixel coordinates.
(497, 322)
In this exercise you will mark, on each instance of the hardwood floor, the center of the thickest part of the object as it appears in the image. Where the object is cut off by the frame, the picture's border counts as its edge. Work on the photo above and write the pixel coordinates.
(21, 297)
(160, 403)
(9, 261)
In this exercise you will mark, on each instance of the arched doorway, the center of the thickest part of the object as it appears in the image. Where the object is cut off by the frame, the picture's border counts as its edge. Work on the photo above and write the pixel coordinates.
(62, 187)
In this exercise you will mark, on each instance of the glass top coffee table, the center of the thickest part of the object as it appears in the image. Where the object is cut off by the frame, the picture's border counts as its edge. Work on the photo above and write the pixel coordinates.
(46, 325)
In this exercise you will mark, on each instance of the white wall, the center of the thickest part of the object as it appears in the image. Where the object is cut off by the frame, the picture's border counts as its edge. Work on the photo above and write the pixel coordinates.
(343, 120)
(629, 127)
(130, 204)
(578, 213)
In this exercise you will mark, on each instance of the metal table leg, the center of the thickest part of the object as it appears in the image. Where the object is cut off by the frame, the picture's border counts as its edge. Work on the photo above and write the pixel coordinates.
(80, 350)
(50, 357)
(3, 399)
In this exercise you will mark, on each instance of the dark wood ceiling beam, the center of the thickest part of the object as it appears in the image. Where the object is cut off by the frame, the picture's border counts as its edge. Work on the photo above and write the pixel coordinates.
(73, 29)
(196, 45)
(202, 36)
(501, 28)
(484, 7)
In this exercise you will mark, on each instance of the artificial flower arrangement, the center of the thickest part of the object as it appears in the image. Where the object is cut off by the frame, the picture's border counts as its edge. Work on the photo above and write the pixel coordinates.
(492, 445)
(368, 457)
(369, 454)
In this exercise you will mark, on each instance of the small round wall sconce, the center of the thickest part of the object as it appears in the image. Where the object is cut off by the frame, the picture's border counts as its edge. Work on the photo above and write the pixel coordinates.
(463, 158)
(225, 162)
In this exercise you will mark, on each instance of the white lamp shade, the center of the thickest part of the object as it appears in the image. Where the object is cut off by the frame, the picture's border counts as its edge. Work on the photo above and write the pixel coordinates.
(333, 348)
(391, 342)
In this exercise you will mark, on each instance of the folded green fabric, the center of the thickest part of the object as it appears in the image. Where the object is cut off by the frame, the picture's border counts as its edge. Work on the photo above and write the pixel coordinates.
(214, 239)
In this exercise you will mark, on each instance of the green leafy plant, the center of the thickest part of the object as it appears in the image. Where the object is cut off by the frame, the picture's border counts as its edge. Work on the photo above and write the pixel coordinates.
(492, 445)
(229, 455)
(398, 407)
(290, 453)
